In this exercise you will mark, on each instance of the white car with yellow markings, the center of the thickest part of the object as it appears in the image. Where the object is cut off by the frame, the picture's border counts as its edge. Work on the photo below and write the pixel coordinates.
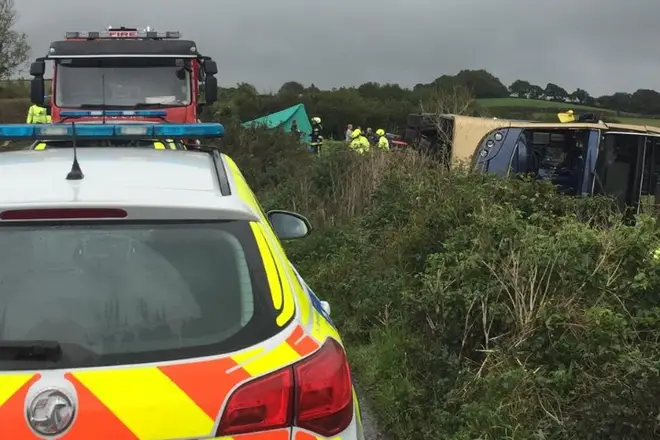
(146, 295)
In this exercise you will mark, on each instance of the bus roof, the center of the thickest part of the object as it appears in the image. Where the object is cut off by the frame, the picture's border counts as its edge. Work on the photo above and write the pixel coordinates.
(468, 131)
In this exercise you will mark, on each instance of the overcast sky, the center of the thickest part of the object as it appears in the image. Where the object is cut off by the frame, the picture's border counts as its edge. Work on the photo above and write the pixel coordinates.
(602, 46)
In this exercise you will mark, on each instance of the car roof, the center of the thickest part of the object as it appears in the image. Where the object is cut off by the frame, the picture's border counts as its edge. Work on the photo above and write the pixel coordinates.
(130, 176)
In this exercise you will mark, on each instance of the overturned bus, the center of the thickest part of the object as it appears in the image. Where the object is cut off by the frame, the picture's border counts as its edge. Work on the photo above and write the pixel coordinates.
(580, 157)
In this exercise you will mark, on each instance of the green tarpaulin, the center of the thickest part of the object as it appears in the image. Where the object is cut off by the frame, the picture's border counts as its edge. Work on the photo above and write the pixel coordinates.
(284, 119)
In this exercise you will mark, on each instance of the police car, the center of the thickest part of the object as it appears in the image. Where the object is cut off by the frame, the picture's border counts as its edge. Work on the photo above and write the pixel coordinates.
(146, 295)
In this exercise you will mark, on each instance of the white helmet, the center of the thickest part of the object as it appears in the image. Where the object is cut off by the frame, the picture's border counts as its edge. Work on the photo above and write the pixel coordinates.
(316, 120)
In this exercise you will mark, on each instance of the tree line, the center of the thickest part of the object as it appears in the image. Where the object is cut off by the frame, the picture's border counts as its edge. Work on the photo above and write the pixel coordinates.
(388, 105)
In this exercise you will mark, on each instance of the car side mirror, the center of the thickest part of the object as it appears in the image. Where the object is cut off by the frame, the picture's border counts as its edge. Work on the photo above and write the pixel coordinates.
(289, 225)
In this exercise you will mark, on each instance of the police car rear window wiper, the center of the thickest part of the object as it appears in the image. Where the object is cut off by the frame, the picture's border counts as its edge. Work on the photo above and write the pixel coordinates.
(30, 350)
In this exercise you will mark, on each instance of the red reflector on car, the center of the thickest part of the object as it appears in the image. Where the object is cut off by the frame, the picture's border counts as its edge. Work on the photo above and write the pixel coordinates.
(62, 213)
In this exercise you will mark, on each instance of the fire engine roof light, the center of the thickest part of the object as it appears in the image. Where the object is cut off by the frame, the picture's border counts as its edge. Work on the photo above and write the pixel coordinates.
(124, 34)
(111, 131)
(113, 113)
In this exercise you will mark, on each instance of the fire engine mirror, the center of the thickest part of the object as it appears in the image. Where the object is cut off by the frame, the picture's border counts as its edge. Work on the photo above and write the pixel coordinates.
(37, 90)
(38, 68)
(211, 89)
(210, 67)
(289, 225)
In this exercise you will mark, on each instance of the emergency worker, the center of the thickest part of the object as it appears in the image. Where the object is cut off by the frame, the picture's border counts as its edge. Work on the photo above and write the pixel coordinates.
(371, 137)
(171, 145)
(359, 142)
(316, 136)
(39, 114)
(383, 142)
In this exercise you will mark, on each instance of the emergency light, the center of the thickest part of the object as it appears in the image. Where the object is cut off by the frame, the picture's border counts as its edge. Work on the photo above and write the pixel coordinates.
(65, 131)
(126, 34)
(113, 113)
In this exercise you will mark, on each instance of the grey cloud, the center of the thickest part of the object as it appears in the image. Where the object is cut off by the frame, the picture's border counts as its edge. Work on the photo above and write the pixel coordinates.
(601, 45)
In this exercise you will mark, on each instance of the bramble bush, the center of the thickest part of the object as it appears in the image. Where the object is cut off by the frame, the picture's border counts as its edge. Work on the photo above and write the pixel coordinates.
(474, 307)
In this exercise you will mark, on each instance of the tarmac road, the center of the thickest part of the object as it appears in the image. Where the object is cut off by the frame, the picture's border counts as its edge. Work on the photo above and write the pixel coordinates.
(371, 429)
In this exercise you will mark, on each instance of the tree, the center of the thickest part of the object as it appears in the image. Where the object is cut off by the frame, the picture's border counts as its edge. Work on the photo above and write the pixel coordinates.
(645, 101)
(14, 49)
(482, 83)
(555, 93)
(520, 88)
(619, 101)
(536, 92)
(291, 88)
(581, 96)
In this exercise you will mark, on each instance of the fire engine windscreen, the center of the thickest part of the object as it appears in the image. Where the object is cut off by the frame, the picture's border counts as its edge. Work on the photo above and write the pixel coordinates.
(126, 82)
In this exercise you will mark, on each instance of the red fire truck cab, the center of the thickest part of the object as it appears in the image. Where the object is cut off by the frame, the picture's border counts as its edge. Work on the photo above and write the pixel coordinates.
(125, 75)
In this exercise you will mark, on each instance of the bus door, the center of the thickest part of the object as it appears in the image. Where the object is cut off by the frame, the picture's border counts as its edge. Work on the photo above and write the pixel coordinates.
(619, 167)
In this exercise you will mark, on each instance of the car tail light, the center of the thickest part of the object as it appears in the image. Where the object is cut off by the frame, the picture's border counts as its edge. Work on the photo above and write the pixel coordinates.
(262, 404)
(324, 392)
(315, 394)
(62, 213)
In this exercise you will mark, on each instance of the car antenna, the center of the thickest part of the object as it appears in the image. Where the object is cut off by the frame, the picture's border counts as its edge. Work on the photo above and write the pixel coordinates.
(75, 173)
(103, 96)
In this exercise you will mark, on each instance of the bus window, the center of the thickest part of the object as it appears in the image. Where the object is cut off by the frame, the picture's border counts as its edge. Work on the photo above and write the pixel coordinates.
(616, 167)
(558, 156)
(649, 200)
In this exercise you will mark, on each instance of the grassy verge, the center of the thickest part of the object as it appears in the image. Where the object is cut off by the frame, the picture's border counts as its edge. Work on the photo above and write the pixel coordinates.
(472, 307)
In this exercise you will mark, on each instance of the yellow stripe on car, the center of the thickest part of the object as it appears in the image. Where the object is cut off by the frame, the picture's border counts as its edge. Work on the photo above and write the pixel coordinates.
(147, 402)
(285, 271)
(259, 361)
(270, 267)
(10, 384)
(245, 193)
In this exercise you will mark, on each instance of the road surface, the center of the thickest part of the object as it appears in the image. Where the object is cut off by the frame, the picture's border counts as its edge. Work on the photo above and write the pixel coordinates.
(371, 429)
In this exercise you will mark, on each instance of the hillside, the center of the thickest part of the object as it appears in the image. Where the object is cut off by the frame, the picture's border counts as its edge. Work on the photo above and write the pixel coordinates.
(540, 109)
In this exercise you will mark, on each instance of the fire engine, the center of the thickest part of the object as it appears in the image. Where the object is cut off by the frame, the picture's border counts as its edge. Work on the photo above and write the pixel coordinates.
(125, 75)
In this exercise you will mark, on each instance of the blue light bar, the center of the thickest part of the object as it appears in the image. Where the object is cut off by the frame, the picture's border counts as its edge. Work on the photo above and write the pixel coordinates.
(64, 131)
(112, 113)
(187, 130)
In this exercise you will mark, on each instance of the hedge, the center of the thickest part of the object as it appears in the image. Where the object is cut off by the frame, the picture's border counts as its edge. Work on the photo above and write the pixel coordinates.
(474, 307)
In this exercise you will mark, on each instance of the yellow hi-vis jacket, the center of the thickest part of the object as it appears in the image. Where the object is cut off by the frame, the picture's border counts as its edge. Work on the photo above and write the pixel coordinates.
(37, 115)
(383, 143)
(360, 144)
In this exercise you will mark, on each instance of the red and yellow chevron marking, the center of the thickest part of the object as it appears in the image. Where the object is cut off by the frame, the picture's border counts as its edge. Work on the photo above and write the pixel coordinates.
(13, 389)
(150, 402)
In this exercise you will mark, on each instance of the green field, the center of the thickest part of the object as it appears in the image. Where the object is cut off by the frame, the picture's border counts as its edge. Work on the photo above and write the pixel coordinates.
(539, 103)
(547, 106)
